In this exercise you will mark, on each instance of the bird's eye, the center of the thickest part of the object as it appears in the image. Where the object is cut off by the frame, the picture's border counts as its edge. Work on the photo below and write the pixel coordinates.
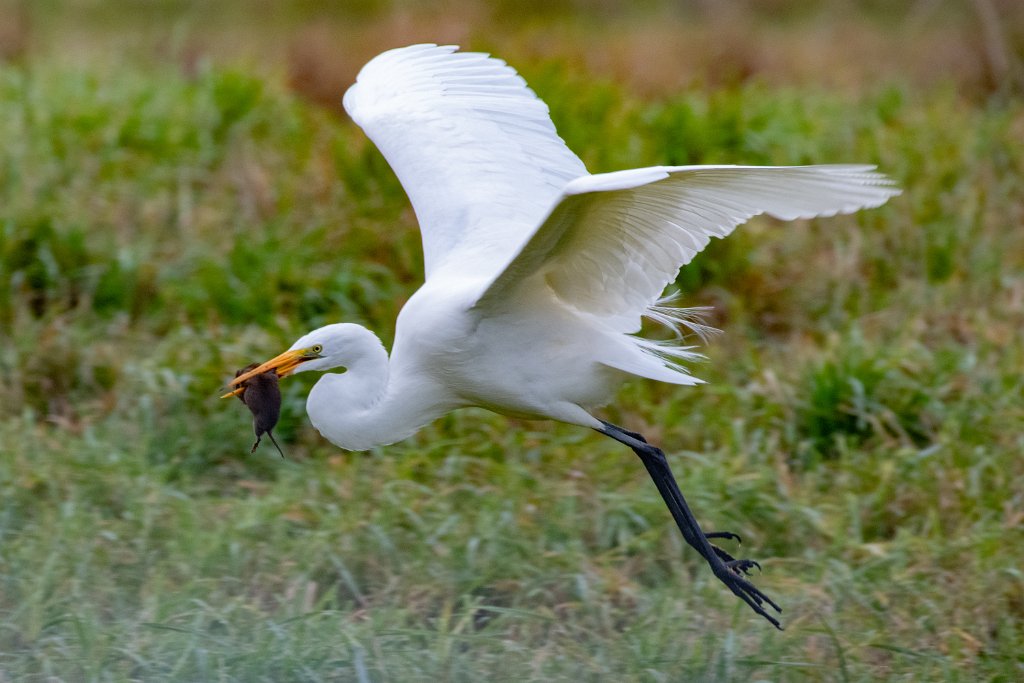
(317, 348)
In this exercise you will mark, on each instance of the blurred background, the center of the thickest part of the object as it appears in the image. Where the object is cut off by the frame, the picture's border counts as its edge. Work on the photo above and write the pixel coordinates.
(181, 194)
(653, 46)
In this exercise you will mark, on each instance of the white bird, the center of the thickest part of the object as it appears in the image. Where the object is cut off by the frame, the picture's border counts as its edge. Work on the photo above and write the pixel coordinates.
(537, 272)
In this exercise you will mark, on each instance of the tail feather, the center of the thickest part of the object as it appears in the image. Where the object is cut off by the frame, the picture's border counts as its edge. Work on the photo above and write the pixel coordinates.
(663, 360)
(675, 318)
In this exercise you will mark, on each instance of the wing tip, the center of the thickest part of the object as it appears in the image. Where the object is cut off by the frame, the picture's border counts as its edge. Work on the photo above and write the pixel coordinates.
(426, 67)
(396, 55)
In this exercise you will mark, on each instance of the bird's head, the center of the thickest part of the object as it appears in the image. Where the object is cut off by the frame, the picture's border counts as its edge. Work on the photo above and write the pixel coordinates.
(321, 349)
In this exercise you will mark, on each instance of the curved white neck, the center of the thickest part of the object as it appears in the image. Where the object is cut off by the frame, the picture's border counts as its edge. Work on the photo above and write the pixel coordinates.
(367, 406)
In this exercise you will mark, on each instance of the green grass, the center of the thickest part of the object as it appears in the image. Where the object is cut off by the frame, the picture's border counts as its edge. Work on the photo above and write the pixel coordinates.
(862, 430)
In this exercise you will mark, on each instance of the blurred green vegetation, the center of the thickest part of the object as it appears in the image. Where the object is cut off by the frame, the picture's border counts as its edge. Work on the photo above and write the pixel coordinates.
(165, 220)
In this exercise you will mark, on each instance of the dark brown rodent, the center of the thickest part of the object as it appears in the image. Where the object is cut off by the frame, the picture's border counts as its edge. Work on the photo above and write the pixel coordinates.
(263, 398)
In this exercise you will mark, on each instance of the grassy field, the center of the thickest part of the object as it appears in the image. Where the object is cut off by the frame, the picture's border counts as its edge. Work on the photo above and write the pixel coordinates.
(164, 220)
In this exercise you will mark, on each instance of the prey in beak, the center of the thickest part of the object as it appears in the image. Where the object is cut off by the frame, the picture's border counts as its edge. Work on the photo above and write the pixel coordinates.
(256, 386)
(262, 397)
(283, 365)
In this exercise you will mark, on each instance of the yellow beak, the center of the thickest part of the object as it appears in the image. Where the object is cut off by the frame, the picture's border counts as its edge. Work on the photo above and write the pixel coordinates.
(283, 365)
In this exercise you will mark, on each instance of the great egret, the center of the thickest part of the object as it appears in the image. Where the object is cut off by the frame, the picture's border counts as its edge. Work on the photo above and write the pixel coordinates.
(537, 272)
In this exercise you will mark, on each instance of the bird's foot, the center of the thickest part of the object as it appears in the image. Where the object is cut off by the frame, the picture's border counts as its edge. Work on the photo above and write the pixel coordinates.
(732, 573)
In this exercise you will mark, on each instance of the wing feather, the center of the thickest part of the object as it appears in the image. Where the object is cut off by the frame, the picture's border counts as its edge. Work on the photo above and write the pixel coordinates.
(472, 145)
(615, 240)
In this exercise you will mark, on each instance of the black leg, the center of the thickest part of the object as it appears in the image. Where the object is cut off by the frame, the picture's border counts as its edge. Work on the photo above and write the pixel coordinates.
(729, 570)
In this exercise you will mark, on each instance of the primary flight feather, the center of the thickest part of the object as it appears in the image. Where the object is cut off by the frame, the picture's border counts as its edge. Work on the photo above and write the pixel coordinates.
(538, 273)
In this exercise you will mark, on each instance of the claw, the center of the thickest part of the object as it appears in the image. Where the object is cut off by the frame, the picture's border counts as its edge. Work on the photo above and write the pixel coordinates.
(724, 534)
(743, 566)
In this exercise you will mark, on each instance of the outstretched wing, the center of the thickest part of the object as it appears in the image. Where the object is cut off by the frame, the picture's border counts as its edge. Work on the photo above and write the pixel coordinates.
(615, 240)
(472, 145)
